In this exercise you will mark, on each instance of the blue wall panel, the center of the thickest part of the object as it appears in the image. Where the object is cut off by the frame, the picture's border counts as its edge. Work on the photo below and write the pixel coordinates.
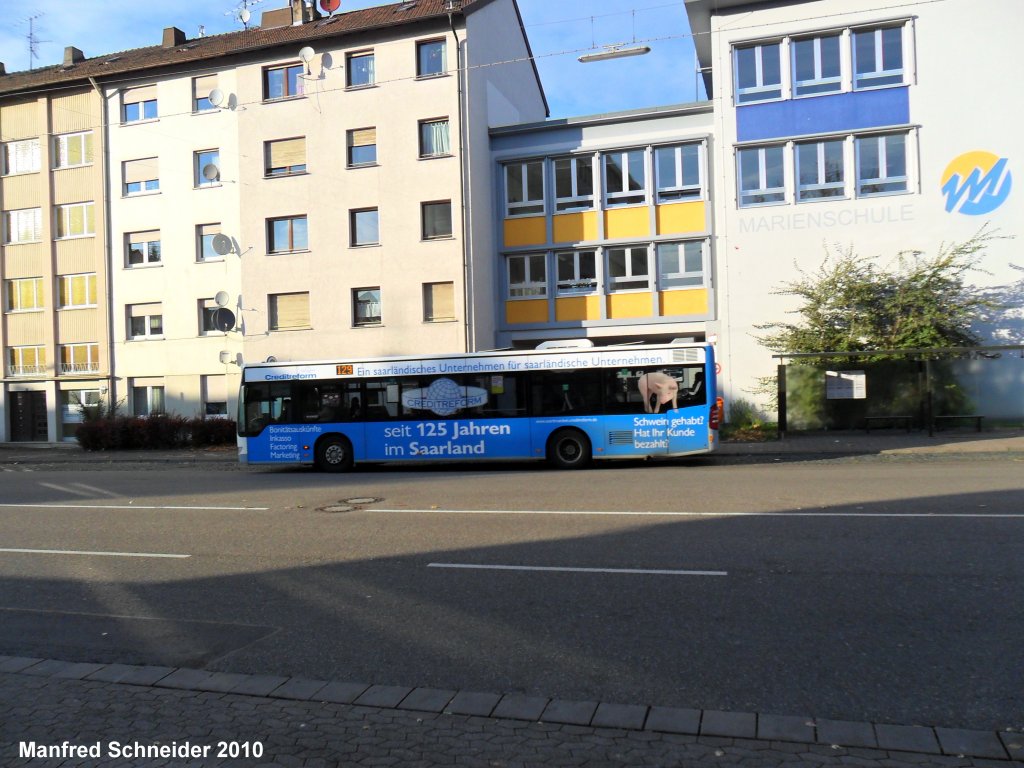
(823, 114)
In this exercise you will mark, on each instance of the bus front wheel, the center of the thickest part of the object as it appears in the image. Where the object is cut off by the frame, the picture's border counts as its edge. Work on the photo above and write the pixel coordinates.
(569, 449)
(334, 454)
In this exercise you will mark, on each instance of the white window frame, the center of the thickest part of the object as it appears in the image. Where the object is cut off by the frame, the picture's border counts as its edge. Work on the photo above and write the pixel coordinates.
(142, 105)
(66, 288)
(148, 332)
(21, 156)
(820, 188)
(819, 84)
(62, 220)
(760, 91)
(15, 223)
(868, 80)
(146, 186)
(61, 151)
(527, 206)
(762, 190)
(682, 279)
(575, 200)
(621, 283)
(883, 165)
(626, 196)
(92, 358)
(146, 260)
(16, 360)
(680, 192)
(530, 287)
(12, 290)
(576, 285)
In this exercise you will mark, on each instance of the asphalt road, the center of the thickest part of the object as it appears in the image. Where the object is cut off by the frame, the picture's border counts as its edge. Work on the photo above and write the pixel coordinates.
(885, 591)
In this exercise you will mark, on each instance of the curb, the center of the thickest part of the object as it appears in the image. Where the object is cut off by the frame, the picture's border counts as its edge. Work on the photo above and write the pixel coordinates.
(952, 742)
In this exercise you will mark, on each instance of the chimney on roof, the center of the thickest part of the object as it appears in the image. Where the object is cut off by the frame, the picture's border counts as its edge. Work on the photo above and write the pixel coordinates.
(173, 37)
(72, 56)
(303, 12)
(3, 69)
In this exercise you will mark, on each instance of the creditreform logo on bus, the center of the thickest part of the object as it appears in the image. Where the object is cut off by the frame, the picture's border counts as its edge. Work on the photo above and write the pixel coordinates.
(976, 183)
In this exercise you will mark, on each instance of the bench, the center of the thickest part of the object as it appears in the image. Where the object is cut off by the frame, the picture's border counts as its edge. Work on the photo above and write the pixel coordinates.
(965, 417)
(888, 420)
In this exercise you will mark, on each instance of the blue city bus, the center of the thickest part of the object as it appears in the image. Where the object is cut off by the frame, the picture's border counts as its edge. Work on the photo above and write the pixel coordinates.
(566, 405)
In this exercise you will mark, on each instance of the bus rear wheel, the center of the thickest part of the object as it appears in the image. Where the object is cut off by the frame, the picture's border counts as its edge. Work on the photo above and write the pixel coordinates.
(569, 449)
(334, 454)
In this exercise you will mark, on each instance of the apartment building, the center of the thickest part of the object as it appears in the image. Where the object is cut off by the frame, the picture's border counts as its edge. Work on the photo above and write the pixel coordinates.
(54, 331)
(606, 228)
(879, 127)
(298, 190)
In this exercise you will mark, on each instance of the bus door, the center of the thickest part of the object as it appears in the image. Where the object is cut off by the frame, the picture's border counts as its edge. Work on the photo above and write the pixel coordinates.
(688, 422)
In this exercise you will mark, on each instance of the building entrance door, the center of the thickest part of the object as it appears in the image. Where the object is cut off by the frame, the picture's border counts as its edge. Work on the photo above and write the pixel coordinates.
(28, 417)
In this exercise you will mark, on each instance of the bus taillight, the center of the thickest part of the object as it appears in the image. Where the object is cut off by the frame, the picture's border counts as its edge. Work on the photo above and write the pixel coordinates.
(716, 413)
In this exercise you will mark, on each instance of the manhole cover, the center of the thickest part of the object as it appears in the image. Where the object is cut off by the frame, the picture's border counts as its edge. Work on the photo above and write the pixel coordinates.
(336, 508)
(362, 500)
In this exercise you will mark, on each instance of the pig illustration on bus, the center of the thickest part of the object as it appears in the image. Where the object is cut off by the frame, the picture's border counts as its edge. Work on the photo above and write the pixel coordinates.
(658, 388)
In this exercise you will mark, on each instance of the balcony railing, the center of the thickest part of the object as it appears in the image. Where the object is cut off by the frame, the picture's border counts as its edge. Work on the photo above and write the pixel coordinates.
(79, 367)
(25, 370)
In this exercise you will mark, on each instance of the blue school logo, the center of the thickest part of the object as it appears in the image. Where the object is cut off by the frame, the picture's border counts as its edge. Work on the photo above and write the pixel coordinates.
(976, 183)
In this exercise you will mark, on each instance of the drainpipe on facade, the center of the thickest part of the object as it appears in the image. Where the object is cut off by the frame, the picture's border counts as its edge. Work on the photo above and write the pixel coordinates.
(464, 176)
(107, 246)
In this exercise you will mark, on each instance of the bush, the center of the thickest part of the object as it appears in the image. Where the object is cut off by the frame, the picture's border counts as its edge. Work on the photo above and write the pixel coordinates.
(113, 432)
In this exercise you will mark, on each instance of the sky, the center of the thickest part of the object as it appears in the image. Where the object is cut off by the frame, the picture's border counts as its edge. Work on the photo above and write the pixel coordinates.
(559, 31)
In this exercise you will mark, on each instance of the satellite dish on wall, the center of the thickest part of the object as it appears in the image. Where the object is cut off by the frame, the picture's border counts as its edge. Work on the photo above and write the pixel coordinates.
(223, 319)
(222, 298)
(216, 97)
(211, 172)
(221, 243)
(306, 53)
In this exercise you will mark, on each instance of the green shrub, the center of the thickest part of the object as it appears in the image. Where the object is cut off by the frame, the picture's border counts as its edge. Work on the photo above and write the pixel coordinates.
(113, 432)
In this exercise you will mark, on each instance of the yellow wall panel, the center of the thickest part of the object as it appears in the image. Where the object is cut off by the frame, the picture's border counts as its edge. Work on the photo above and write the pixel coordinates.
(627, 222)
(684, 302)
(26, 329)
(22, 191)
(625, 305)
(680, 218)
(575, 227)
(21, 121)
(576, 308)
(74, 112)
(28, 260)
(530, 230)
(532, 311)
(75, 185)
(79, 326)
(84, 254)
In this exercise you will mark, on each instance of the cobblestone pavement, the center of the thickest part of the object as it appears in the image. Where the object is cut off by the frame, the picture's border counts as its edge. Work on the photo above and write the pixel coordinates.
(119, 721)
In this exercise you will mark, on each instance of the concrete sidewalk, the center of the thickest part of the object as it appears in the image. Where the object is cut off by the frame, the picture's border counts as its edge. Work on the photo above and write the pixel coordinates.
(299, 722)
(804, 445)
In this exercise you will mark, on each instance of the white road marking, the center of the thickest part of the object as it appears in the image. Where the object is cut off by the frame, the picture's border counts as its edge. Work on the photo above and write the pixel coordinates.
(93, 554)
(94, 489)
(595, 513)
(132, 506)
(559, 569)
(65, 489)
